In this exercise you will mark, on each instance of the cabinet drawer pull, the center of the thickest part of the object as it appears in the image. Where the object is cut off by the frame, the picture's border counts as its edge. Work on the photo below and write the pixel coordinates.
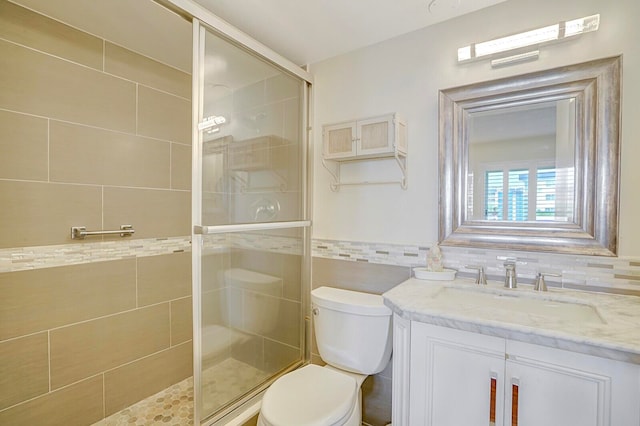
(492, 401)
(514, 402)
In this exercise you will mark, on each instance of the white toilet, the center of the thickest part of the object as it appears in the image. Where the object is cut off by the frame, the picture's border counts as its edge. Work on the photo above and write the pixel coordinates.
(353, 332)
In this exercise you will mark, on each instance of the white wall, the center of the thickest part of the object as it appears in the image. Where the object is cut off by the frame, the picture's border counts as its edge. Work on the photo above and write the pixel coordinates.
(404, 75)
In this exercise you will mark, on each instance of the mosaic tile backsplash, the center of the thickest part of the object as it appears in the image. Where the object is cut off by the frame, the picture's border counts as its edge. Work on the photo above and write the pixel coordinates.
(614, 274)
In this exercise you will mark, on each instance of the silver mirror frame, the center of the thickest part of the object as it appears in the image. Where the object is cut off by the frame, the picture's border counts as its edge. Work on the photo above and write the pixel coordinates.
(595, 86)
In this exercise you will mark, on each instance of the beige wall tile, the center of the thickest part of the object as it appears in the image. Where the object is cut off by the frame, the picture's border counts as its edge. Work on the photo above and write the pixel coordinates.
(278, 356)
(88, 348)
(130, 65)
(227, 307)
(28, 28)
(23, 144)
(163, 116)
(130, 383)
(213, 266)
(291, 129)
(281, 87)
(153, 213)
(181, 320)
(259, 261)
(81, 154)
(40, 84)
(250, 351)
(249, 97)
(272, 317)
(213, 310)
(41, 299)
(376, 401)
(80, 404)
(357, 276)
(180, 166)
(215, 208)
(163, 278)
(24, 369)
(35, 214)
(292, 276)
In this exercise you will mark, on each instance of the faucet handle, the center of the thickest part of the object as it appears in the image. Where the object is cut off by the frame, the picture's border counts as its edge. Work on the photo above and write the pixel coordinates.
(540, 284)
(481, 278)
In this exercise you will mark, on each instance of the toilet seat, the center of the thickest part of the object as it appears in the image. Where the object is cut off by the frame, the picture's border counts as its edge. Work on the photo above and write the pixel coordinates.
(310, 396)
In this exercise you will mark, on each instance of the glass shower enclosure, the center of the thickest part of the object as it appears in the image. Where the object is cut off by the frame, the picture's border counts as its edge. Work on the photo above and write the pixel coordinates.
(251, 223)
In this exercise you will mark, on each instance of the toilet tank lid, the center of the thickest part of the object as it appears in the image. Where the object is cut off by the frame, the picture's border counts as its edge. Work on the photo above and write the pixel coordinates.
(353, 302)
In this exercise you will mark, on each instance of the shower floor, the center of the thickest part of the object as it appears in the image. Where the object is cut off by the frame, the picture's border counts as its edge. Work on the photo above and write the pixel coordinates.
(174, 406)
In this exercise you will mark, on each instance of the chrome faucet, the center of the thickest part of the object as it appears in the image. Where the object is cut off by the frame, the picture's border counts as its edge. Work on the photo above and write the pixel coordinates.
(511, 278)
(481, 278)
(540, 284)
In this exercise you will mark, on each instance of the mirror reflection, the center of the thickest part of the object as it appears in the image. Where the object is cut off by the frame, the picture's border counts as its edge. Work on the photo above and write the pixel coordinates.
(531, 162)
(521, 163)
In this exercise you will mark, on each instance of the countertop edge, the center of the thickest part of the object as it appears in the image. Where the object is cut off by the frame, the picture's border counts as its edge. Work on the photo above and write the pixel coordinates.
(539, 336)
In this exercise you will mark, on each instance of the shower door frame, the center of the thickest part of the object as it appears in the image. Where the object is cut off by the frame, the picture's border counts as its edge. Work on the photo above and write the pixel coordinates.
(203, 20)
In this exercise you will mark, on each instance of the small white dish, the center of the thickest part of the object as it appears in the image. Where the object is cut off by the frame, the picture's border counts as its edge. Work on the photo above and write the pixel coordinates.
(425, 274)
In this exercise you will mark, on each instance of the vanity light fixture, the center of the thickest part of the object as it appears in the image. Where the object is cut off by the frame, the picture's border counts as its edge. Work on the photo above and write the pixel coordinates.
(520, 41)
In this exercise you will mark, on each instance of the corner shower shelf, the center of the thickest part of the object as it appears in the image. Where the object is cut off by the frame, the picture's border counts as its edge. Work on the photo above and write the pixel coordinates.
(382, 137)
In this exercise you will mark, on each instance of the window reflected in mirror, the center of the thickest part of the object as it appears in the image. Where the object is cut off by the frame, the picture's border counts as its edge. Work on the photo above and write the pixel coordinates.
(521, 163)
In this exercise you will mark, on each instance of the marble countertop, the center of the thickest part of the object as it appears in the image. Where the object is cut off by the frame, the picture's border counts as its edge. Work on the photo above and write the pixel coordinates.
(611, 331)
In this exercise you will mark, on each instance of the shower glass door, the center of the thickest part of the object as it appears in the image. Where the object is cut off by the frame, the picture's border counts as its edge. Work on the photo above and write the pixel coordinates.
(250, 221)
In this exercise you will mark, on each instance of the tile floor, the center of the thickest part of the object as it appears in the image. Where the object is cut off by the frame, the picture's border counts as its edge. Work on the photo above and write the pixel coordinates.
(174, 405)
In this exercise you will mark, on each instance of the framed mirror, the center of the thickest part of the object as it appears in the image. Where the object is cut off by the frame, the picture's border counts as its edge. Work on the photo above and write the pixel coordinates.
(531, 162)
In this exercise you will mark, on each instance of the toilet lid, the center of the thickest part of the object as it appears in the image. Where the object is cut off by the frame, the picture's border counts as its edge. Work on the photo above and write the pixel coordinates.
(310, 396)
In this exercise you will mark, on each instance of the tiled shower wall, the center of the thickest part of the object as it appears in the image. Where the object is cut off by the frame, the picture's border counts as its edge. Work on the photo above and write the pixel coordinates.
(94, 135)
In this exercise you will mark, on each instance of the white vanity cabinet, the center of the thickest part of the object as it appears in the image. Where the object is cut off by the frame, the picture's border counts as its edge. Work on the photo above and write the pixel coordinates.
(368, 138)
(456, 378)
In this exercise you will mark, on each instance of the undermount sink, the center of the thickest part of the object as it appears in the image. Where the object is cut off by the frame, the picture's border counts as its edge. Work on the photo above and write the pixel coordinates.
(521, 307)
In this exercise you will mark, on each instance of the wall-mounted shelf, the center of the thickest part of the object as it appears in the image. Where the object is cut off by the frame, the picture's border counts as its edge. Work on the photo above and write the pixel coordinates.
(382, 137)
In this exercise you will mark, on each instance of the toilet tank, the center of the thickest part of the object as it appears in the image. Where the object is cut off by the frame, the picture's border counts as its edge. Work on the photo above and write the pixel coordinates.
(353, 329)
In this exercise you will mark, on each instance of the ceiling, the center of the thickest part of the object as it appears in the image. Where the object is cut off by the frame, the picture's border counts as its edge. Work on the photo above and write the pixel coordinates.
(303, 31)
(310, 31)
(513, 123)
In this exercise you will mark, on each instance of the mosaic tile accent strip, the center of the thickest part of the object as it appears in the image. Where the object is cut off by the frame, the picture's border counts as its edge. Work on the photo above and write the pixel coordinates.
(386, 254)
(266, 242)
(24, 258)
(609, 274)
(614, 274)
(37, 257)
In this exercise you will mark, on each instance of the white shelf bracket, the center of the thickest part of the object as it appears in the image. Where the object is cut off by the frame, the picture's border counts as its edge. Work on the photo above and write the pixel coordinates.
(402, 163)
(335, 175)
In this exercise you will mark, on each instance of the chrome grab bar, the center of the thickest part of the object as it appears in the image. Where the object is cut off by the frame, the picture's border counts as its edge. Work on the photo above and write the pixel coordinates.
(79, 232)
